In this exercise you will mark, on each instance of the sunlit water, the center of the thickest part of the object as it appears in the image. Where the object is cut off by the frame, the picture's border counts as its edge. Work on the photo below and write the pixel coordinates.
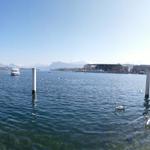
(73, 111)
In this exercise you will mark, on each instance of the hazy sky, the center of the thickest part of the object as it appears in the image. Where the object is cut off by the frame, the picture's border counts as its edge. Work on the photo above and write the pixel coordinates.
(94, 31)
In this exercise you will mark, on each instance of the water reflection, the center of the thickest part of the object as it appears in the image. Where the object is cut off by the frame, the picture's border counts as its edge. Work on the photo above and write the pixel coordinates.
(147, 106)
(34, 100)
(34, 104)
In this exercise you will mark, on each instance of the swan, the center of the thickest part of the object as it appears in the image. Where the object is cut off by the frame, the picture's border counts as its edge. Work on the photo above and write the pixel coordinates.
(120, 107)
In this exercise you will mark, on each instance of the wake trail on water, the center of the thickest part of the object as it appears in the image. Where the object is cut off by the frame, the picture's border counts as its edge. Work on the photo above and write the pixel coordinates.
(135, 120)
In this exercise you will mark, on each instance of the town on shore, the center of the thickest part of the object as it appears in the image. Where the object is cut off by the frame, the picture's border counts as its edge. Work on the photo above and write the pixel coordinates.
(111, 68)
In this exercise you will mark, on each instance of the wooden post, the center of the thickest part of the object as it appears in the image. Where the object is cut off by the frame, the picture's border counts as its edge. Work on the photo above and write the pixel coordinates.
(147, 85)
(33, 81)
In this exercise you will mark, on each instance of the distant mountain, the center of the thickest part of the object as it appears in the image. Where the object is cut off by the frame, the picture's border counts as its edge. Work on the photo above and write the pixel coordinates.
(12, 66)
(59, 65)
(2, 65)
(8, 66)
(38, 66)
(54, 65)
(42, 67)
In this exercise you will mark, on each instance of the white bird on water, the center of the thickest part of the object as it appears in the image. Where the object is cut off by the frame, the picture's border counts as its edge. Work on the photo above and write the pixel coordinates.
(120, 107)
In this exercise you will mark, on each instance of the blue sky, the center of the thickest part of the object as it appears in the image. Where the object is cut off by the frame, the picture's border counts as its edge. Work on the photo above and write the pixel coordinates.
(94, 31)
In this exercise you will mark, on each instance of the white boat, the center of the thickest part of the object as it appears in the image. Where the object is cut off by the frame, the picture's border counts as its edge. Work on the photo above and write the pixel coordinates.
(15, 72)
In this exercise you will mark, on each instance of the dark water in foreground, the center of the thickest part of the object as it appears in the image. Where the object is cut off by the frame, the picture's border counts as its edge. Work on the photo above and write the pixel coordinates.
(73, 111)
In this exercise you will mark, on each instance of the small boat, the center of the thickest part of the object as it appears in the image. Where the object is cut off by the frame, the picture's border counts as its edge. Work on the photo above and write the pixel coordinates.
(15, 72)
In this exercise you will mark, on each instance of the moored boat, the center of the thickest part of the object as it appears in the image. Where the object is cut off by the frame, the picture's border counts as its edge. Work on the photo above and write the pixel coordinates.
(15, 72)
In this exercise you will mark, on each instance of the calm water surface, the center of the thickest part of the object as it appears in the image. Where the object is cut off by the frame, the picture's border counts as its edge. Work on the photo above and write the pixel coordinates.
(73, 111)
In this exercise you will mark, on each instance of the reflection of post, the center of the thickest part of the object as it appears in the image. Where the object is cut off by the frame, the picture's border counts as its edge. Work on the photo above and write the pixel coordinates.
(147, 85)
(33, 81)
(147, 106)
(34, 99)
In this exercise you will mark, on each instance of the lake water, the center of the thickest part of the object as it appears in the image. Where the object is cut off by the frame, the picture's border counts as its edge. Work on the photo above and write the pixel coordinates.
(73, 111)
